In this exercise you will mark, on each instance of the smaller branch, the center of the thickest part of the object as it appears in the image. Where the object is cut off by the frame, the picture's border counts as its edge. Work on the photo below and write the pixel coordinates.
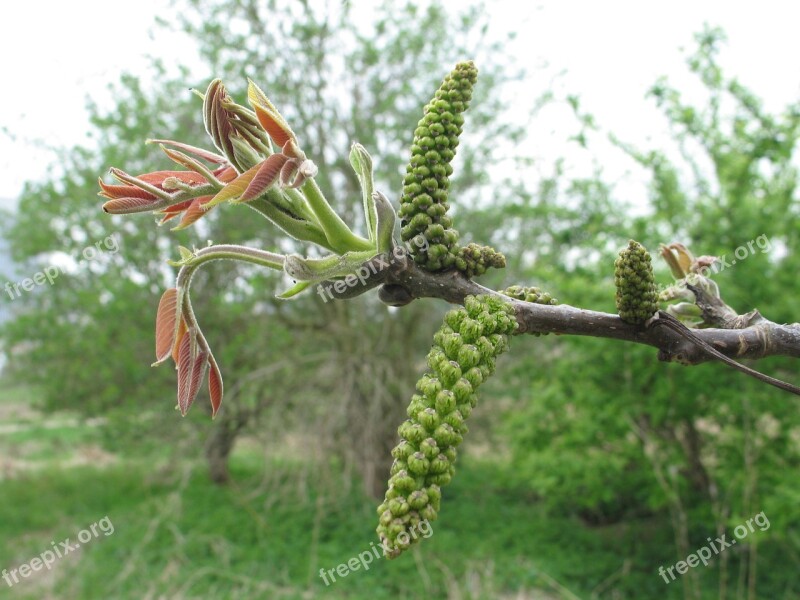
(299, 229)
(262, 258)
(717, 313)
(338, 233)
(664, 319)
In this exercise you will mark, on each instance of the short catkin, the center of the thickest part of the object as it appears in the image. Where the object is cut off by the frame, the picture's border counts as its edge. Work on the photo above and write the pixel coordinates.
(462, 357)
(530, 294)
(637, 295)
(474, 259)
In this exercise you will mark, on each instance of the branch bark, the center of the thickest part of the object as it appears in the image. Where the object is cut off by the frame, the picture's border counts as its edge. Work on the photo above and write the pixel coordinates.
(756, 338)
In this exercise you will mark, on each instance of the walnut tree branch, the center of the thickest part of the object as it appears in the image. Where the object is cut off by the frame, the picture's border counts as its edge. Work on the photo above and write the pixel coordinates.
(761, 338)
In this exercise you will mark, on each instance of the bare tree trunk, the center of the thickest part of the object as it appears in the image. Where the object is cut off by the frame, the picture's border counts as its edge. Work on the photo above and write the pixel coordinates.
(218, 450)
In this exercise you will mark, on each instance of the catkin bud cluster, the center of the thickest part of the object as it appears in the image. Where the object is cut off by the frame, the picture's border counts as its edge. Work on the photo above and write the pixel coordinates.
(423, 205)
(474, 259)
(637, 295)
(461, 358)
(530, 294)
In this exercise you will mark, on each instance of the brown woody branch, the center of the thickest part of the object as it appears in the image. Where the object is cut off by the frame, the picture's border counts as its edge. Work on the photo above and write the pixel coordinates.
(755, 337)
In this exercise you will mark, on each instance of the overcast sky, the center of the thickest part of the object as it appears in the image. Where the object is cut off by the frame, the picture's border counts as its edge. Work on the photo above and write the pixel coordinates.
(58, 53)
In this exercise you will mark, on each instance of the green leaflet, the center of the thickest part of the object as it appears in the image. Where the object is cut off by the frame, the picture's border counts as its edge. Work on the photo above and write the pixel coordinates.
(386, 221)
(296, 289)
(361, 162)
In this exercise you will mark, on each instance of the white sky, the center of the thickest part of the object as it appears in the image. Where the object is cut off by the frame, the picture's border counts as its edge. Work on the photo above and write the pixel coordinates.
(57, 53)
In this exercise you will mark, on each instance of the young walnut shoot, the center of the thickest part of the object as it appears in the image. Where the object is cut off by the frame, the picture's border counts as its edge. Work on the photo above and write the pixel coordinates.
(259, 162)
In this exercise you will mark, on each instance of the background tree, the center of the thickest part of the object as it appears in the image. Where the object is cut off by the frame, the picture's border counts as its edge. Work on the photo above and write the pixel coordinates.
(383, 76)
(697, 443)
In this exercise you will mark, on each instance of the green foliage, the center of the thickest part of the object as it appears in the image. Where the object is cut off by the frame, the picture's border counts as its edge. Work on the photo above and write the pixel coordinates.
(617, 436)
(175, 533)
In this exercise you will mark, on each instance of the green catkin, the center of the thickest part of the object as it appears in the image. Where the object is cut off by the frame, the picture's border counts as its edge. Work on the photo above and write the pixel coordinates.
(530, 294)
(473, 259)
(637, 295)
(423, 205)
(461, 358)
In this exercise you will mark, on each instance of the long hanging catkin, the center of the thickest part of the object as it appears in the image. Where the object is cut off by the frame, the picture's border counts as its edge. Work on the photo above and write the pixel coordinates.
(462, 357)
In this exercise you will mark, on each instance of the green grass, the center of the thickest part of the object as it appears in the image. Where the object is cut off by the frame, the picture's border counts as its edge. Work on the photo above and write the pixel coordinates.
(268, 534)
(178, 535)
(60, 435)
(17, 394)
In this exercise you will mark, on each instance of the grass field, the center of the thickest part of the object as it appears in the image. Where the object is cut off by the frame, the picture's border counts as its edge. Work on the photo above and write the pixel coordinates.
(268, 534)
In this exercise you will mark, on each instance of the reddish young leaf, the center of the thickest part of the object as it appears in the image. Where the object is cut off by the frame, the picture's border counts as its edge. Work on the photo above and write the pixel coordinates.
(215, 387)
(269, 117)
(235, 188)
(198, 373)
(226, 174)
(223, 124)
(194, 212)
(122, 191)
(168, 318)
(266, 175)
(186, 161)
(199, 152)
(288, 170)
(178, 207)
(157, 177)
(182, 329)
(192, 363)
(173, 211)
(209, 116)
(185, 364)
(127, 206)
(272, 126)
(292, 150)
